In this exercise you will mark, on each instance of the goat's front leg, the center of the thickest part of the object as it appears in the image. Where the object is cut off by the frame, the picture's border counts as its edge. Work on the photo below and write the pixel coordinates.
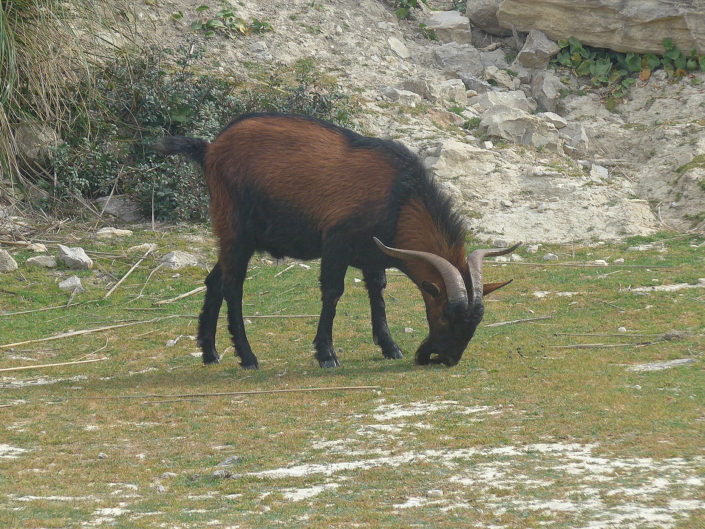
(376, 281)
(234, 273)
(208, 320)
(334, 264)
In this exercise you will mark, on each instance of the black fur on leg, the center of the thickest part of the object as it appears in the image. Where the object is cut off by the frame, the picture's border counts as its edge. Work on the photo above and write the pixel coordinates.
(376, 281)
(208, 319)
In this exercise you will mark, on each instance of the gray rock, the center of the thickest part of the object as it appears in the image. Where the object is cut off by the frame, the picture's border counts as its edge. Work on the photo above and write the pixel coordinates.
(75, 258)
(35, 142)
(462, 60)
(520, 127)
(557, 121)
(122, 207)
(483, 14)
(453, 90)
(450, 26)
(546, 89)
(399, 48)
(37, 247)
(575, 137)
(550, 257)
(260, 50)
(72, 284)
(500, 77)
(178, 259)
(628, 25)
(232, 460)
(42, 261)
(7, 263)
(514, 99)
(537, 51)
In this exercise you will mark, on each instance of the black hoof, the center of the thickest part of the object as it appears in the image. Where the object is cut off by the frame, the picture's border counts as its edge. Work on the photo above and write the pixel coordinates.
(250, 366)
(211, 357)
(331, 362)
(393, 353)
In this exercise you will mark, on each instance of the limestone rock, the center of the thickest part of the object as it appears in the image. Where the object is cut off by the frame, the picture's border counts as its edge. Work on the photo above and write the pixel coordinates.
(629, 25)
(399, 48)
(463, 60)
(483, 14)
(450, 26)
(120, 206)
(537, 51)
(109, 233)
(34, 142)
(72, 284)
(501, 77)
(520, 127)
(514, 99)
(42, 261)
(7, 263)
(546, 89)
(75, 258)
(178, 259)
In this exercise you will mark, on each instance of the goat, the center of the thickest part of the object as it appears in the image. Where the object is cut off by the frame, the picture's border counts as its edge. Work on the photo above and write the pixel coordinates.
(300, 187)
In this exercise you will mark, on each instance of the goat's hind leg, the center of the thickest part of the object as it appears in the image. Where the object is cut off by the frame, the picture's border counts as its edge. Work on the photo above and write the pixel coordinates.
(376, 281)
(233, 279)
(208, 320)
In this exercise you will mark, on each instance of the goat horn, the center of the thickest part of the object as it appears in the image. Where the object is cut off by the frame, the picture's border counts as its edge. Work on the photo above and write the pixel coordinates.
(475, 268)
(453, 281)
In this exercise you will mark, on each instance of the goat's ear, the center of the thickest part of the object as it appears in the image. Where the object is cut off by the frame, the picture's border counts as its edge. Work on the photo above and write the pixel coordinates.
(431, 288)
(491, 287)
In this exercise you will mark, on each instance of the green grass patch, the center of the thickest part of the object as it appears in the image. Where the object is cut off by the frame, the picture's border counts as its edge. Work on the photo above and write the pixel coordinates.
(542, 423)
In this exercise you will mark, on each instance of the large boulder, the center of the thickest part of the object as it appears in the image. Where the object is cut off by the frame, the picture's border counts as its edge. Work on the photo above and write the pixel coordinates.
(628, 25)
(537, 51)
(450, 26)
(483, 14)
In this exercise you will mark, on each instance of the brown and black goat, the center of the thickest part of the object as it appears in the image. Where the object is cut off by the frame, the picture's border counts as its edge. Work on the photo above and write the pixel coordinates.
(299, 187)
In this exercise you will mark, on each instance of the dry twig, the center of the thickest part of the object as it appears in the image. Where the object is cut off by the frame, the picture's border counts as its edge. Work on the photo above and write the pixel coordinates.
(511, 322)
(44, 366)
(180, 296)
(128, 273)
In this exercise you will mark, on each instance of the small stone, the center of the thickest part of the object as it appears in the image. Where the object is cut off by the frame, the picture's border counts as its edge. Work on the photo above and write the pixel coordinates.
(178, 259)
(600, 262)
(142, 248)
(437, 493)
(109, 233)
(550, 257)
(622, 329)
(506, 203)
(408, 330)
(75, 258)
(102, 455)
(72, 284)
(516, 258)
(487, 145)
(533, 248)
(618, 261)
(232, 460)
(42, 261)
(167, 475)
(37, 247)
(161, 489)
(7, 263)
(222, 473)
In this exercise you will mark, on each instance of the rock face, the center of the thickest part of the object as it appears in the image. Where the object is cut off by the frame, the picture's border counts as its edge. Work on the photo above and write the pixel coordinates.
(628, 25)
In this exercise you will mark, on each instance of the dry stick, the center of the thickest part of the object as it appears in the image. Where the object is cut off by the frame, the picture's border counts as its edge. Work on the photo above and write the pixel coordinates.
(500, 323)
(286, 269)
(598, 345)
(128, 273)
(230, 393)
(43, 309)
(43, 366)
(589, 265)
(87, 331)
(180, 296)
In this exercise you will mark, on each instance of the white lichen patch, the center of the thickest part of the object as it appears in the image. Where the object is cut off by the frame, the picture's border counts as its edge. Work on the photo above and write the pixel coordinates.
(10, 452)
(308, 492)
(390, 412)
(13, 383)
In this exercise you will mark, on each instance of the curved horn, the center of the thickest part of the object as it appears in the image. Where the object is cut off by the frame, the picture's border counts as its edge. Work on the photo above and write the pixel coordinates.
(475, 267)
(453, 281)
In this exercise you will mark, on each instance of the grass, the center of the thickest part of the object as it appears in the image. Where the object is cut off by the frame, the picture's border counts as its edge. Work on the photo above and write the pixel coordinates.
(523, 432)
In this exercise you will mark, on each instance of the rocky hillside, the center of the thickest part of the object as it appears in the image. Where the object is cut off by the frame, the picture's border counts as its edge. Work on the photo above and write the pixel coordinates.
(528, 153)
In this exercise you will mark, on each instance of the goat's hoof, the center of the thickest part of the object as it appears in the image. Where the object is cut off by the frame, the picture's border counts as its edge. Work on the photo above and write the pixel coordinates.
(331, 362)
(393, 353)
(211, 357)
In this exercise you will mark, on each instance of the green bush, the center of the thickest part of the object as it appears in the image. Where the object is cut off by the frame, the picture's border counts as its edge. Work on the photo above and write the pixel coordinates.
(143, 99)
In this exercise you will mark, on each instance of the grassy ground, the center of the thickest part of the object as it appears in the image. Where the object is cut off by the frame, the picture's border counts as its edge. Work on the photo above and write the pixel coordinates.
(544, 423)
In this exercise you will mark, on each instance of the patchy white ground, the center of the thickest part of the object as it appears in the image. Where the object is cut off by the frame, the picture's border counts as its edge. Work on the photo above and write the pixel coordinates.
(558, 479)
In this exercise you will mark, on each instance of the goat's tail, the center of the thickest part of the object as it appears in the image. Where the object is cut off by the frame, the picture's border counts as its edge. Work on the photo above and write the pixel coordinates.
(194, 148)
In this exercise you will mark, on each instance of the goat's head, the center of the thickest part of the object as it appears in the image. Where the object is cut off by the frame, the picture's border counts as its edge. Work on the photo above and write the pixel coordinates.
(452, 313)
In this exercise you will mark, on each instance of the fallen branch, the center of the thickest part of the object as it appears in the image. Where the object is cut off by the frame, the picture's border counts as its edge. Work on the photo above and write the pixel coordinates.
(87, 331)
(601, 345)
(128, 272)
(501, 323)
(286, 269)
(180, 296)
(230, 393)
(44, 366)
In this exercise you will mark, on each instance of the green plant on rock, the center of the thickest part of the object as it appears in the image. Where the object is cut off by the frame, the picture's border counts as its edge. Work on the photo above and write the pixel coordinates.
(617, 72)
(227, 22)
(404, 8)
